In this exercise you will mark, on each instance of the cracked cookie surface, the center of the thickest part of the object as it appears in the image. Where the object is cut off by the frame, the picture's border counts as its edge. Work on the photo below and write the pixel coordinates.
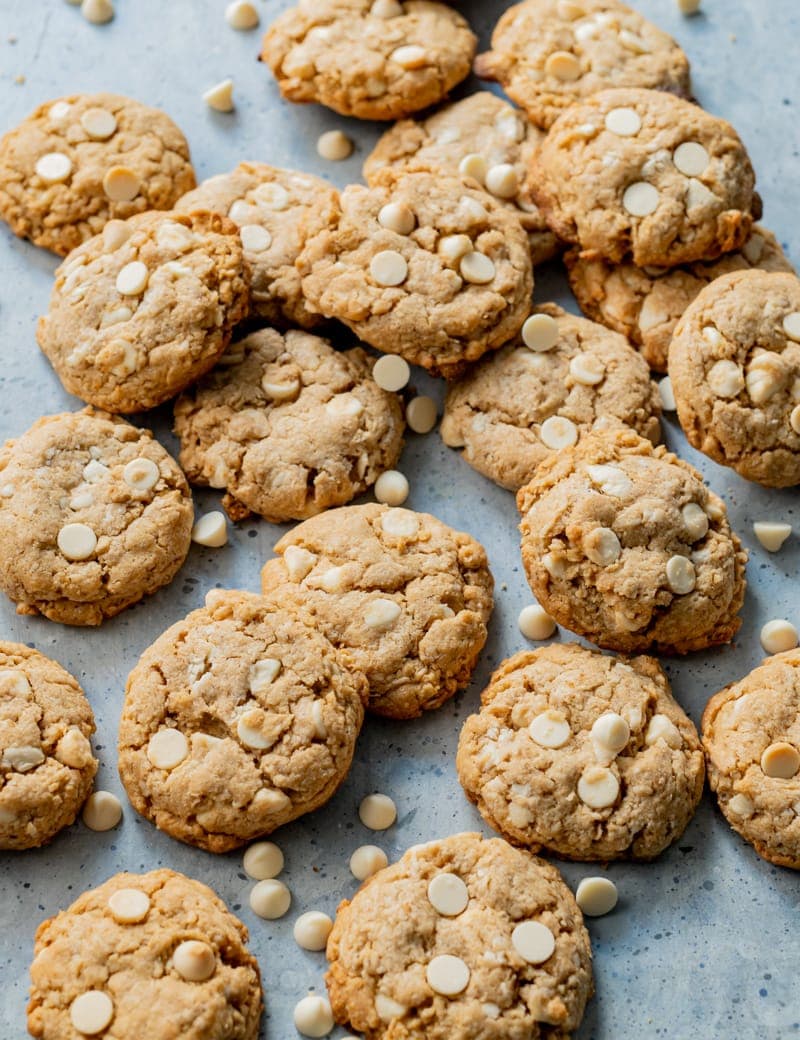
(94, 515)
(407, 596)
(585, 755)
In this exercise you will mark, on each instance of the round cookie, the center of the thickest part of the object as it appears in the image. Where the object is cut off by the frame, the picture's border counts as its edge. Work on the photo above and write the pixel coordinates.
(734, 362)
(585, 755)
(482, 125)
(463, 937)
(153, 955)
(644, 175)
(94, 515)
(276, 211)
(624, 544)
(238, 719)
(46, 760)
(522, 405)
(422, 265)
(550, 54)
(78, 161)
(645, 304)
(408, 597)
(289, 426)
(751, 736)
(373, 59)
(145, 308)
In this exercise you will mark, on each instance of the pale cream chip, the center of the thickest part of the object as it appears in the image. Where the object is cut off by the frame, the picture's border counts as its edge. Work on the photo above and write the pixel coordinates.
(121, 184)
(587, 369)
(211, 530)
(535, 623)
(141, 474)
(448, 895)
(725, 379)
(91, 1012)
(77, 541)
(129, 905)
(550, 729)
(771, 534)
(602, 546)
(410, 56)
(298, 561)
(334, 145)
(533, 941)
(624, 122)
(391, 372)
(397, 217)
(558, 432)
(447, 975)
(780, 760)
(388, 268)
(564, 66)
(54, 167)
(778, 636)
(421, 414)
(102, 811)
(377, 812)
(132, 279)
(640, 199)
(270, 899)
(596, 896)
(255, 238)
(311, 930)
(167, 748)
(194, 960)
(681, 575)
(313, 1016)
(502, 181)
(691, 158)
(477, 268)
(540, 332)
(695, 519)
(598, 787)
(263, 860)
(381, 614)
(662, 728)
(99, 123)
(474, 165)
(400, 523)
(367, 860)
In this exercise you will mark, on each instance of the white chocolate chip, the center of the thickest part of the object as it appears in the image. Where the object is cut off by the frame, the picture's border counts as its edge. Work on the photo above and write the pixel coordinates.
(311, 930)
(794, 419)
(563, 66)
(298, 561)
(391, 372)
(270, 899)
(102, 811)
(691, 158)
(475, 166)
(396, 216)
(22, 759)
(421, 414)
(569, 11)
(666, 394)
(242, 15)
(272, 196)
(688, 7)
(7, 491)
(471, 209)
(696, 520)
(410, 56)
(129, 905)
(697, 194)
(263, 861)
(741, 805)
(400, 523)
(77, 541)
(598, 787)
(386, 9)
(681, 576)
(587, 369)
(333, 580)
(533, 941)
(662, 728)
(299, 65)
(791, 326)
(596, 896)
(335, 146)
(611, 732)
(611, 480)
(780, 760)
(502, 181)
(115, 234)
(53, 168)
(555, 565)
(281, 391)
(540, 333)
(477, 268)
(99, 123)
(447, 975)
(558, 432)
(132, 279)
(725, 379)
(778, 635)
(121, 184)
(624, 122)
(13, 681)
(313, 1016)
(766, 375)
(263, 674)
(388, 268)
(771, 535)
(211, 530)
(535, 623)
(253, 732)
(344, 404)
(448, 895)
(194, 961)
(640, 199)
(377, 811)
(270, 800)
(167, 748)
(60, 111)
(711, 335)
(602, 546)
(452, 247)
(550, 729)
(74, 749)
(255, 238)
(366, 861)
(388, 1009)
(392, 489)
(92, 1011)
(115, 317)
(141, 474)
(381, 614)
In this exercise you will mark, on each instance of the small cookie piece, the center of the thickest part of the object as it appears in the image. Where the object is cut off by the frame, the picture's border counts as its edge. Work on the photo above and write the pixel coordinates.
(408, 597)
(276, 211)
(524, 404)
(585, 755)
(550, 54)
(482, 125)
(422, 265)
(46, 760)
(645, 175)
(237, 720)
(461, 937)
(78, 161)
(289, 427)
(145, 308)
(369, 58)
(624, 544)
(94, 515)
(645, 304)
(751, 736)
(145, 955)
(734, 363)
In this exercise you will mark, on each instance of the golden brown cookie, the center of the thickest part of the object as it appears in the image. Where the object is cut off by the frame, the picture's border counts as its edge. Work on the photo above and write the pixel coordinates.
(237, 720)
(153, 955)
(550, 54)
(734, 362)
(623, 543)
(405, 595)
(145, 308)
(80, 160)
(585, 755)
(373, 59)
(463, 937)
(524, 404)
(94, 515)
(46, 760)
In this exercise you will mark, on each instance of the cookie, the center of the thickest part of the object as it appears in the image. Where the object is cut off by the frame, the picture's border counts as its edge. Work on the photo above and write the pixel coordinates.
(408, 597)
(644, 175)
(288, 426)
(624, 544)
(463, 937)
(734, 362)
(645, 304)
(523, 405)
(751, 735)
(145, 308)
(550, 54)
(276, 211)
(94, 515)
(237, 720)
(485, 136)
(373, 59)
(46, 760)
(153, 955)
(585, 755)
(422, 265)
(78, 161)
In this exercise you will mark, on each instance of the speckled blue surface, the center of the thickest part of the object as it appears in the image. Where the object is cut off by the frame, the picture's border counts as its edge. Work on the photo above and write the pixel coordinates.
(704, 943)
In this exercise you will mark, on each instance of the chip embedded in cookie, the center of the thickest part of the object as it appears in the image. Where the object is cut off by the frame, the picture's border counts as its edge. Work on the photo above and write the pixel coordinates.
(561, 379)
(79, 161)
(550, 54)
(734, 362)
(583, 754)
(423, 265)
(276, 212)
(624, 544)
(465, 936)
(237, 720)
(140, 953)
(646, 176)
(46, 760)
(145, 308)
(94, 515)
(751, 735)
(405, 595)
(483, 137)
(373, 59)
